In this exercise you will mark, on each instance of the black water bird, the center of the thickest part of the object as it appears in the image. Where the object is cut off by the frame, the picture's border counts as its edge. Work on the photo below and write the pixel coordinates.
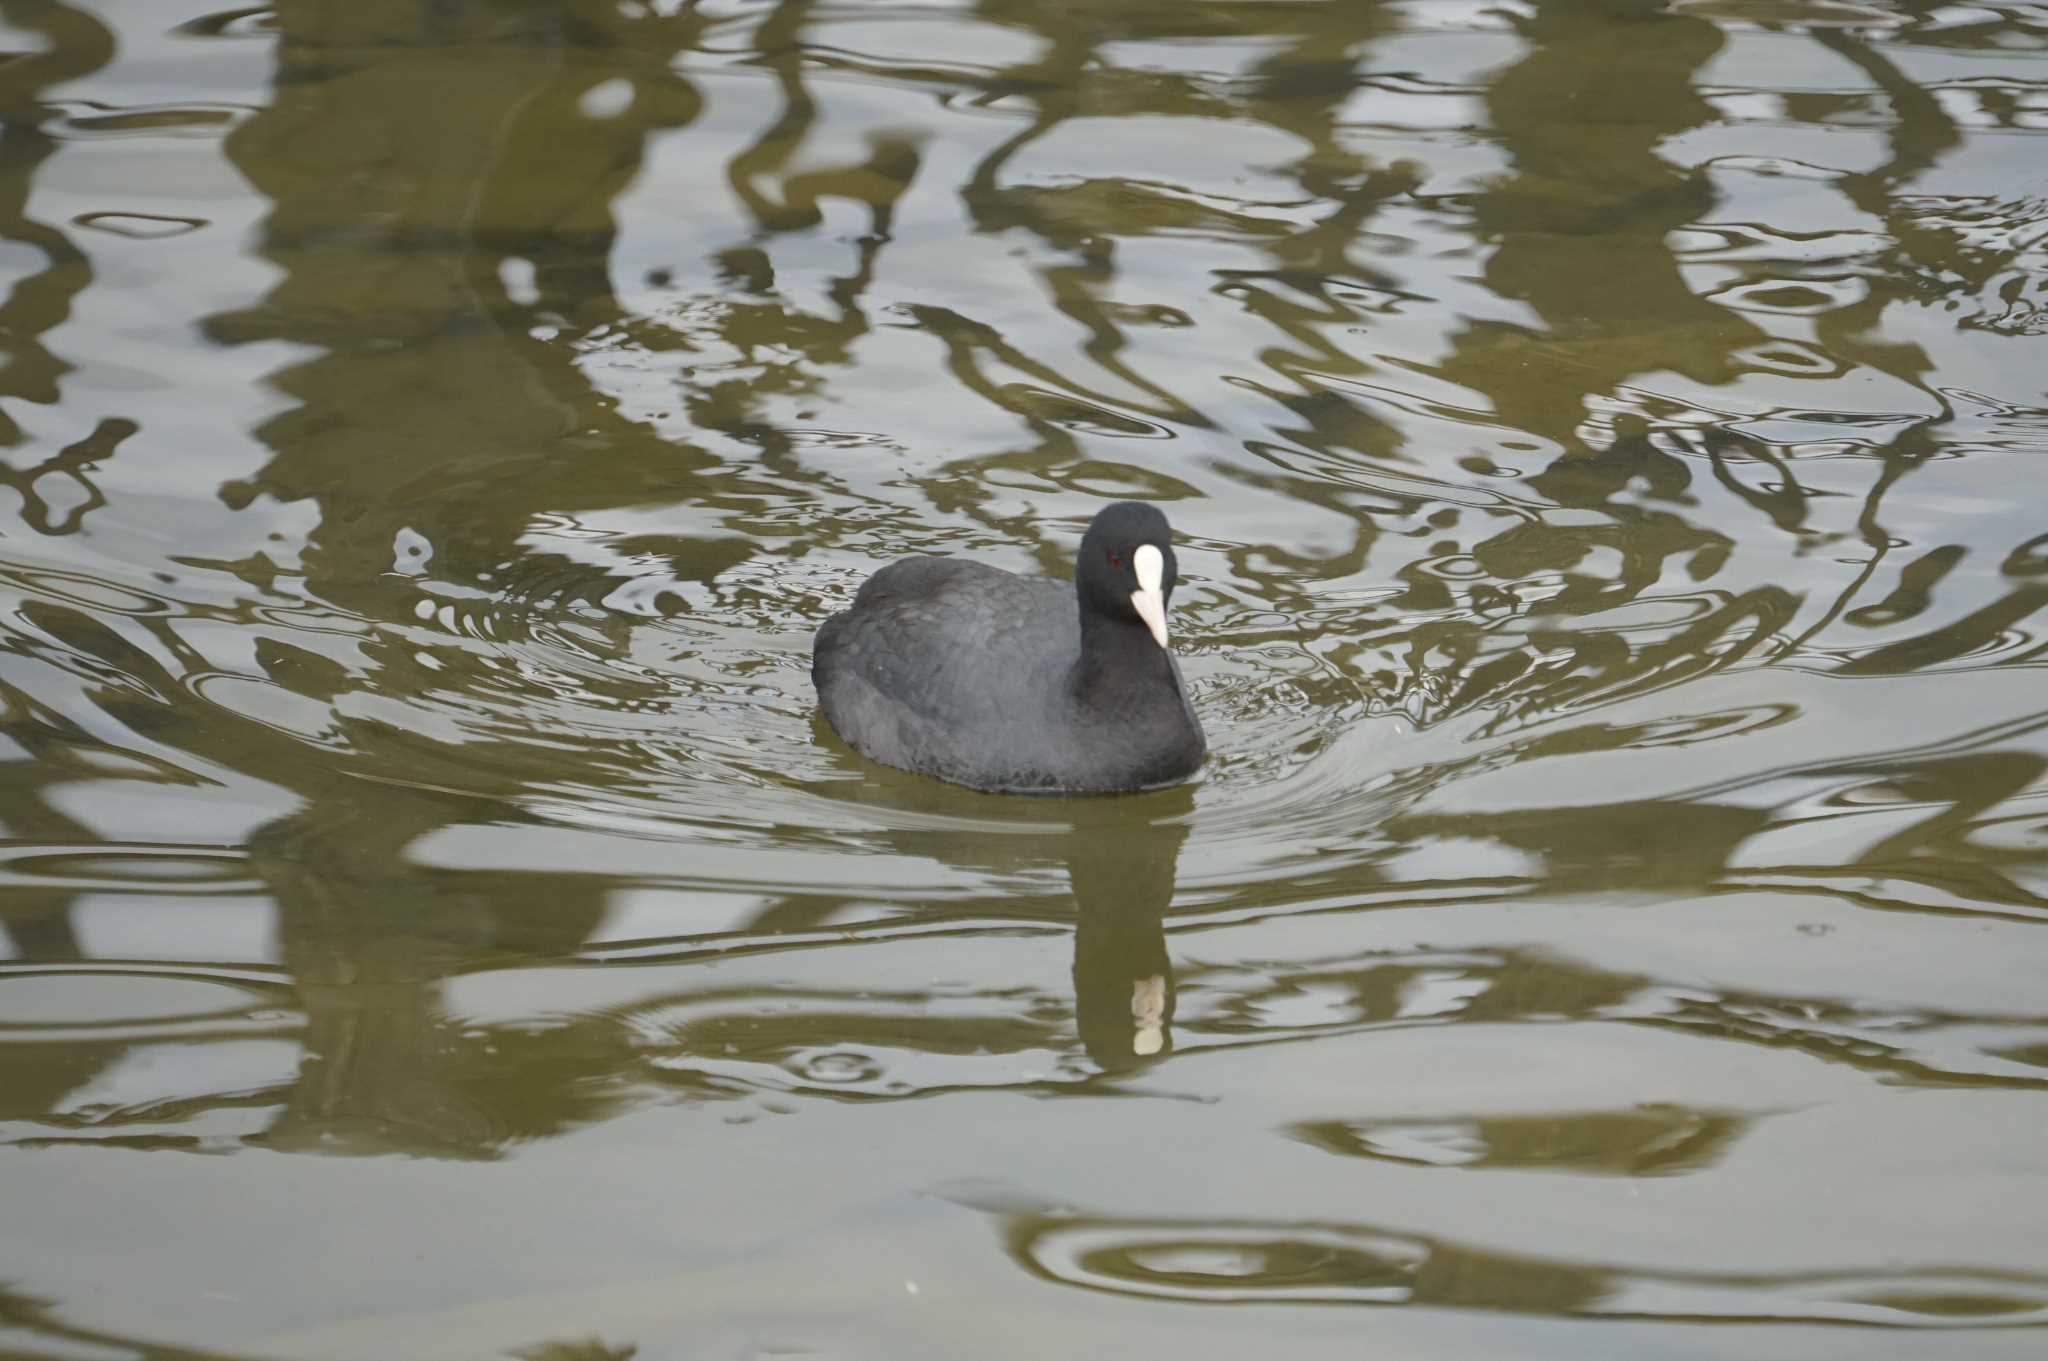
(995, 681)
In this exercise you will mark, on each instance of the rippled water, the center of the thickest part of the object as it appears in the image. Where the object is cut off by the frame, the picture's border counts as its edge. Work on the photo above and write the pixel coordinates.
(1608, 443)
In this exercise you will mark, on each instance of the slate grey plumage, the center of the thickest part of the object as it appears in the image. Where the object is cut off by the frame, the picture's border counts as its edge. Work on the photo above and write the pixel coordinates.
(1018, 684)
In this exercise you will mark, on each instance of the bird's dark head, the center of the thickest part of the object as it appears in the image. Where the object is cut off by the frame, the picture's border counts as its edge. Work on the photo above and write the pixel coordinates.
(1126, 569)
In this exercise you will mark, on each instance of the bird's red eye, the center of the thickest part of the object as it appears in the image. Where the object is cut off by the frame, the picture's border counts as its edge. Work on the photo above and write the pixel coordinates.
(1116, 559)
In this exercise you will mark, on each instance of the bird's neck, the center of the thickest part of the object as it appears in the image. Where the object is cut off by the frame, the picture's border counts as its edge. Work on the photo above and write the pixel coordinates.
(1119, 658)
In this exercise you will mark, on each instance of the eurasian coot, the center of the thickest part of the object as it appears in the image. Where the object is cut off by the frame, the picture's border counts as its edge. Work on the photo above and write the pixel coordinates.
(996, 681)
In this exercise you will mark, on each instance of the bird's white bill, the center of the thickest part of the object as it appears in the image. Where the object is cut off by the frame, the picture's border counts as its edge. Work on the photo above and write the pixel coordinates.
(1148, 600)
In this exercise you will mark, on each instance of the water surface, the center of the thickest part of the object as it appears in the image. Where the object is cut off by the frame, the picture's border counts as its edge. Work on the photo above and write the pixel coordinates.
(1608, 445)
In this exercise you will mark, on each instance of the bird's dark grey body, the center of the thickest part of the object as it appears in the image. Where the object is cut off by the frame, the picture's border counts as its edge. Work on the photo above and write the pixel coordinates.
(1013, 684)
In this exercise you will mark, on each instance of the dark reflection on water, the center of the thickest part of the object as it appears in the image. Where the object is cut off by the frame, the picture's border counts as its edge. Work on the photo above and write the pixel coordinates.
(1606, 438)
(1649, 1141)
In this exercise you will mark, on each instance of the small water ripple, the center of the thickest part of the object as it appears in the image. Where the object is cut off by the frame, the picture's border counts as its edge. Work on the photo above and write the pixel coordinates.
(1336, 1264)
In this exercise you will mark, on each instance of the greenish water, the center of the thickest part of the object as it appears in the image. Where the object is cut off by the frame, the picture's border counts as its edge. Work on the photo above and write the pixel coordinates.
(1610, 448)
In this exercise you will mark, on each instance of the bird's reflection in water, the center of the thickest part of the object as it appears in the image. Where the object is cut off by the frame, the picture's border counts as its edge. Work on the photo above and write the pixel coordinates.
(1123, 879)
(1122, 855)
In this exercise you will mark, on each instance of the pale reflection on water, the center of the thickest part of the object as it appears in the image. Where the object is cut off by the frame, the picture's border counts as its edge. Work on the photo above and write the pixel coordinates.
(1606, 441)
